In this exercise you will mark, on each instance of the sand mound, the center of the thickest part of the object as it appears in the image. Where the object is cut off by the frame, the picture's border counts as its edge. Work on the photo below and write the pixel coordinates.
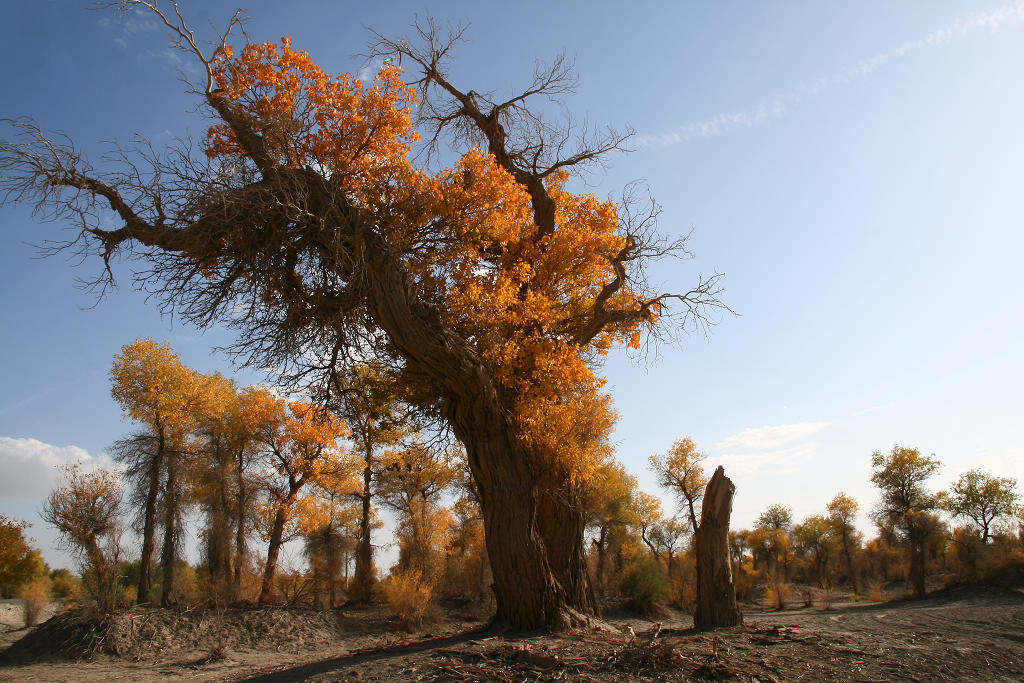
(144, 632)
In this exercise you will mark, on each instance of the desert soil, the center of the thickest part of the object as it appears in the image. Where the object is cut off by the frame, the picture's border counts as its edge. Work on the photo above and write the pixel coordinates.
(971, 633)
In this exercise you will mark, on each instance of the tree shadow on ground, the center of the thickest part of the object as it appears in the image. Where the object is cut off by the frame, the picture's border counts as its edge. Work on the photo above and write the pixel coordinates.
(365, 655)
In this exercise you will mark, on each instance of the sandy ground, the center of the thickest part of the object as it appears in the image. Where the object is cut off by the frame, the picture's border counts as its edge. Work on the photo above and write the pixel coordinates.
(967, 633)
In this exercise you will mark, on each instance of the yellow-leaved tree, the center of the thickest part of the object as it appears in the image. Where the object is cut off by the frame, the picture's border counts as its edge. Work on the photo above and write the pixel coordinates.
(160, 394)
(298, 445)
(491, 284)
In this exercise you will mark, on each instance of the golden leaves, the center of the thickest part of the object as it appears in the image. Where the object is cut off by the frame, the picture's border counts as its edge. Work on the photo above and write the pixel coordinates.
(468, 234)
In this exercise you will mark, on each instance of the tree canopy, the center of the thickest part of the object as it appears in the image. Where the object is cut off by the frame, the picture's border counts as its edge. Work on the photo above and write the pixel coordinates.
(306, 225)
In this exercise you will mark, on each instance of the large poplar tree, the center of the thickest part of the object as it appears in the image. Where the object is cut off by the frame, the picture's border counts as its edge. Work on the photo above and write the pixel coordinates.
(307, 226)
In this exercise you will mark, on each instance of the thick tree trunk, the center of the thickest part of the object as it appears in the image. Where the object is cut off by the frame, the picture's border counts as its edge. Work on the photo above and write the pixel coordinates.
(149, 525)
(917, 572)
(716, 594)
(528, 594)
(561, 523)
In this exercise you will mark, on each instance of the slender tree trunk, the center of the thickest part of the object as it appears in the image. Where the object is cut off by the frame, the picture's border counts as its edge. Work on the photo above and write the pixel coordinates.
(602, 557)
(105, 583)
(274, 548)
(333, 562)
(851, 576)
(241, 550)
(171, 529)
(716, 594)
(693, 516)
(149, 523)
(218, 542)
(364, 572)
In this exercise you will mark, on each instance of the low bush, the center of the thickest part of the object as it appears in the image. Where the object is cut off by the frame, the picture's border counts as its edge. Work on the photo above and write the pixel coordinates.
(36, 596)
(408, 597)
(644, 585)
(777, 593)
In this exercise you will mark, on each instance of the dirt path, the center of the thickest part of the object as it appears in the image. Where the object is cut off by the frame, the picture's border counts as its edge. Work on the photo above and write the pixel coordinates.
(964, 634)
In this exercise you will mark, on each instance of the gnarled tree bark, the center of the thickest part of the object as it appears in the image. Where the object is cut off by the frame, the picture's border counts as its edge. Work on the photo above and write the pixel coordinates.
(716, 594)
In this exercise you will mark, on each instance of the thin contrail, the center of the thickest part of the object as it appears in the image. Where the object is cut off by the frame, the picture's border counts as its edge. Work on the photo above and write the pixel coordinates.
(779, 106)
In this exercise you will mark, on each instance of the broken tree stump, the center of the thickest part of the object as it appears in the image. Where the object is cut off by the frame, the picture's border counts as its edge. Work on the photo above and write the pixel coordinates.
(716, 593)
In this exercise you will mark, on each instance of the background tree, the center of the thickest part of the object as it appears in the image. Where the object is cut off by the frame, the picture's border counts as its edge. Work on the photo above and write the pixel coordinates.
(366, 397)
(330, 527)
(982, 498)
(220, 438)
(772, 539)
(84, 510)
(814, 536)
(842, 511)
(412, 482)
(681, 472)
(468, 574)
(153, 388)
(776, 517)
(608, 500)
(20, 563)
(309, 229)
(298, 442)
(906, 504)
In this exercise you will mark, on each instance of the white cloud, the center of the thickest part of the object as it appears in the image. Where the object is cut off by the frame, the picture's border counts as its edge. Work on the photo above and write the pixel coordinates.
(776, 108)
(1003, 462)
(761, 438)
(30, 467)
(747, 463)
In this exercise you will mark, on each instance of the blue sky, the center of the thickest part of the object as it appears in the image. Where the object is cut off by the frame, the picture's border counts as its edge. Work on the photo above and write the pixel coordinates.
(855, 170)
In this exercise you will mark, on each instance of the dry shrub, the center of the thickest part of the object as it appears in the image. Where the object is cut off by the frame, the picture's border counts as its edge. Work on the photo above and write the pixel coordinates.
(294, 589)
(777, 593)
(807, 594)
(828, 594)
(875, 591)
(408, 597)
(744, 583)
(36, 596)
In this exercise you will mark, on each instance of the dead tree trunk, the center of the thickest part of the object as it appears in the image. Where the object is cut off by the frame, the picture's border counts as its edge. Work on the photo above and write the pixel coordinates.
(716, 594)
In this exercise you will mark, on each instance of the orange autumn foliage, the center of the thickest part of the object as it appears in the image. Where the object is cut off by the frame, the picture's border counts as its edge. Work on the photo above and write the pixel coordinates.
(468, 234)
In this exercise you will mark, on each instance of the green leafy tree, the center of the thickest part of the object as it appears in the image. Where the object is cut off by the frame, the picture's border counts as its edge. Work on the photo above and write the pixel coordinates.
(982, 498)
(776, 517)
